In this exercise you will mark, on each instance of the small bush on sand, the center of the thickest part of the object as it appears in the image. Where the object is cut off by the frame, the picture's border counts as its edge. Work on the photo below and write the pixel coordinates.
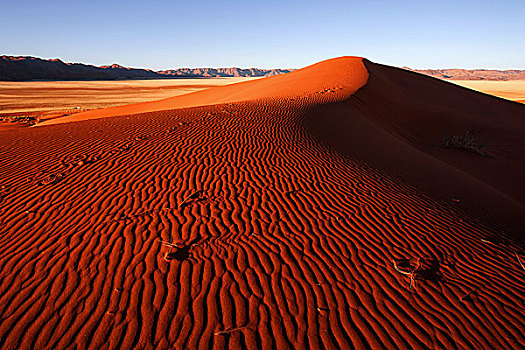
(29, 119)
(466, 142)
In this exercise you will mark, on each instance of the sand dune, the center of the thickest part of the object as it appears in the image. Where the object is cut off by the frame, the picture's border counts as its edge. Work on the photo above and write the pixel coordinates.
(315, 209)
(315, 81)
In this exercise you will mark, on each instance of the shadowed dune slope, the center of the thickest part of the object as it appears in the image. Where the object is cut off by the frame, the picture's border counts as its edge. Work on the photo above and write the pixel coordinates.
(397, 123)
(266, 223)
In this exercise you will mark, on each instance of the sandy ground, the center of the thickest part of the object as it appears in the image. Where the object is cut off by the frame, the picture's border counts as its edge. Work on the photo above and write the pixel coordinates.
(513, 90)
(16, 97)
(315, 210)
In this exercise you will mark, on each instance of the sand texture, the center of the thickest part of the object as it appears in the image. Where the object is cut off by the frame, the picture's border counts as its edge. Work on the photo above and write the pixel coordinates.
(315, 209)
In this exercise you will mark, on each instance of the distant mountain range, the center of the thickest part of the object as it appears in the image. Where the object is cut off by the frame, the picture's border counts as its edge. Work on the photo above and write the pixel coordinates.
(26, 68)
(474, 74)
(223, 72)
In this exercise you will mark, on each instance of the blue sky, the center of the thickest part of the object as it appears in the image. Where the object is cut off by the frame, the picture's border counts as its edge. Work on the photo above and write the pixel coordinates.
(267, 34)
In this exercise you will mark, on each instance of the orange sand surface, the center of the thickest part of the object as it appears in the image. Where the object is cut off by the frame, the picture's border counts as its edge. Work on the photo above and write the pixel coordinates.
(317, 209)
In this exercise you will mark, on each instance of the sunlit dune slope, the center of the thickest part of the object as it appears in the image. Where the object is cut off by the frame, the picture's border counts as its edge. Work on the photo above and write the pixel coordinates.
(313, 79)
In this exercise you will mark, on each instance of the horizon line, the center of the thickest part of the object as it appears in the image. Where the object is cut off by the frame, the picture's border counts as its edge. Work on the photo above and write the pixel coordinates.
(240, 67)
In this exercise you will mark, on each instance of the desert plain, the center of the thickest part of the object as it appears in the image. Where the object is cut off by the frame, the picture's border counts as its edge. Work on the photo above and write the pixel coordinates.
(347, 204)
(50, 99)
(513, 90)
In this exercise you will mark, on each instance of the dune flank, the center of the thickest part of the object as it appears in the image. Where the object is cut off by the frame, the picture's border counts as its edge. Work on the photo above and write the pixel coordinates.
(308, 82)
(315, 209)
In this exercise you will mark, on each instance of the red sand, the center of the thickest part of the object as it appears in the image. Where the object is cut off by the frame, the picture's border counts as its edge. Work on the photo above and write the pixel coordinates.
(285, 211)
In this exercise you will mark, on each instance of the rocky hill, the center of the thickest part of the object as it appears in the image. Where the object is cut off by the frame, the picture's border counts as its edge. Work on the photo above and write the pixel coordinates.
(27, 68)
(224, 72)
(474, 74)
(32, 68)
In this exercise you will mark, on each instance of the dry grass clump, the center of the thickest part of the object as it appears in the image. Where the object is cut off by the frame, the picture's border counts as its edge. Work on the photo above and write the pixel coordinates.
(411, 274)
(468, 295)
(51, 179)
(466, 142)
(24, 119)
(230, 330)
(519, 260)
(195, 195)
(418, 269)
